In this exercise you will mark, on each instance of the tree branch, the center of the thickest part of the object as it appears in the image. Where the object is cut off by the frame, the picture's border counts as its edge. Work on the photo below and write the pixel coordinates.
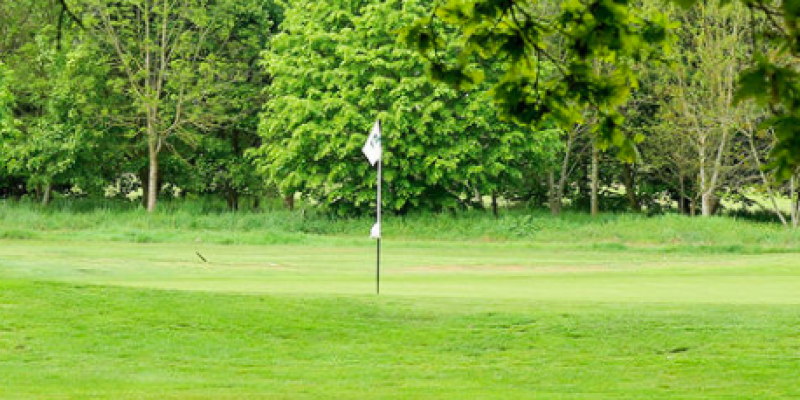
(71, 15)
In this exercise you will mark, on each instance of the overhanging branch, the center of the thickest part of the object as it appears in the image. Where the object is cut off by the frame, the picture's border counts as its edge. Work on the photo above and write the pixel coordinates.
(69, 12)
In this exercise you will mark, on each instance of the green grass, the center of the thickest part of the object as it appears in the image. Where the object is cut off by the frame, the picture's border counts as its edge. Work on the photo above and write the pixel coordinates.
(78, 341)
(113, 304)
(184, 222)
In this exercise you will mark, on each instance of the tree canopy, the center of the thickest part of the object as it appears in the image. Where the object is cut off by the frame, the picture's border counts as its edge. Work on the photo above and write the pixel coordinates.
(337, 66)
(601, 38)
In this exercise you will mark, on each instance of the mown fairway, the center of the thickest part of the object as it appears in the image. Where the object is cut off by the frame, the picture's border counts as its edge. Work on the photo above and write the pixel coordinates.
(469, 319)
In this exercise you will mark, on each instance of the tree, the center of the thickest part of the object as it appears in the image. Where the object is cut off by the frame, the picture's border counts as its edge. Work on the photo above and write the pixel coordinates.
(9, 183)
(336, 67)
(7, 125)
(702, 83)
(223, 165)
(166, 64)
(58, 89)
(563, 165)
(6, 101)
(608, 31)
(80, 68)
(63, 140)
(599, 40)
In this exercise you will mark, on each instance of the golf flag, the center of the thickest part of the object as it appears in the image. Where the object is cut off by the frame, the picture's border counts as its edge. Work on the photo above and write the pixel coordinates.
(373, 149)
(375, 233)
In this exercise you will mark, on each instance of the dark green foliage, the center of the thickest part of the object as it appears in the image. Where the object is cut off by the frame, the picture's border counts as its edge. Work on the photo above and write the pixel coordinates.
(7, 128)
(7, 123)
(80, 121)
(778, 88)
(598, 39)
(553, 62)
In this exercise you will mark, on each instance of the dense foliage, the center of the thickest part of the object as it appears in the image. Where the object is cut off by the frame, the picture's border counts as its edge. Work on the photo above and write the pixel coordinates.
(553, 61)
(337, 67)
(598, 104)
(597, 46)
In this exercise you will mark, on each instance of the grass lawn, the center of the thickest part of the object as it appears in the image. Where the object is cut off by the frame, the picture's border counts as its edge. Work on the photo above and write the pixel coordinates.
(111, 303)
(469, 319)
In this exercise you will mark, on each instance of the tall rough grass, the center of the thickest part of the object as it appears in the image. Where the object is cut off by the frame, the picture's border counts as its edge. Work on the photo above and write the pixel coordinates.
(206, 221)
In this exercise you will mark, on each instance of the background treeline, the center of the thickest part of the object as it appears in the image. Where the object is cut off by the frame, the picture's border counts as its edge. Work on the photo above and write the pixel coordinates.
(250, 99)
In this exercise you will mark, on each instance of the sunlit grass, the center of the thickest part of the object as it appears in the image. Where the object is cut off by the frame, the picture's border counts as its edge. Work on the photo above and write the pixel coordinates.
(59, 340)
(112, 303)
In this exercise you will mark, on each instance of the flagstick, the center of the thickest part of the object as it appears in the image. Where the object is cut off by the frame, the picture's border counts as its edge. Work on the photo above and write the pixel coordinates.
(380, 229)
(373, 149)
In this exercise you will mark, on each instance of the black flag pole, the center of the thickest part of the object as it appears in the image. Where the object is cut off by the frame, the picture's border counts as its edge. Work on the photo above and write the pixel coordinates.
(378, 287)
(380, 228)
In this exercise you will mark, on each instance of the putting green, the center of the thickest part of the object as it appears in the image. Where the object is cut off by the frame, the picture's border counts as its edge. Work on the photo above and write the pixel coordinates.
(428, 269)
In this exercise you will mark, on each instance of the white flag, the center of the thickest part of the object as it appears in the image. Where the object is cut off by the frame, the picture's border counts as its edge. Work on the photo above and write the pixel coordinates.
(373, 149)
(375, 233)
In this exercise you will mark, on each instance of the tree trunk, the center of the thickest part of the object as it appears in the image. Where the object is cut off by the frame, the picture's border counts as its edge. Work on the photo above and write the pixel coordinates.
(143, 181)
(767, 183)
(709, 184)
(595, 180)
(557, 187)
(233, 200)
(706, 204)
(630, 187)
(795, 203)
(686, 205)
(494, 205)
(288, 200)
(555, 193)
(152, 179)
(48, 189)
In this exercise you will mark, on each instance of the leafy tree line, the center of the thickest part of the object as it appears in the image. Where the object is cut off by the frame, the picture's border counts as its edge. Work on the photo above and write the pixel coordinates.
(167, 92)
(601, 48)
(337, 68)
(594, 104)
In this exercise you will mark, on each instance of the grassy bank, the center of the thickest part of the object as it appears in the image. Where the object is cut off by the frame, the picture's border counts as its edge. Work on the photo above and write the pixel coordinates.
(191, 222)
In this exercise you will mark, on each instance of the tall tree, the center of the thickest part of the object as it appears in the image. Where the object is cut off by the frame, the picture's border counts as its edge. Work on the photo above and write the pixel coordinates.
(598, 40)
(337, 66)
(223, 165)
(6, 125)
(563, 166)
(506, 32)
(702, 84)
(164, 55)
(60, 80)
